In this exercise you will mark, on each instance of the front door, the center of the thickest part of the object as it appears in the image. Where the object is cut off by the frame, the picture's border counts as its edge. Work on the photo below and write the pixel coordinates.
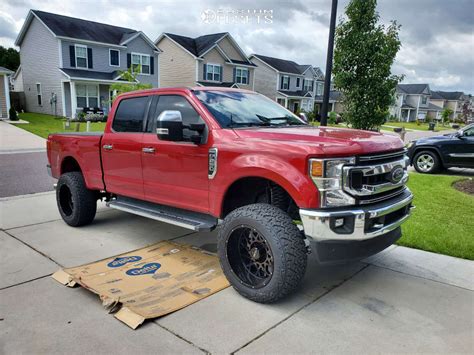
(460, 150)
(121, 148)
(295, 107)
(175, 173)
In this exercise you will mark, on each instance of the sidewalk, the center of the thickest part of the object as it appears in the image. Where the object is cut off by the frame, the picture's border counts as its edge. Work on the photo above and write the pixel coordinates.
(401, 300)
(17, 140)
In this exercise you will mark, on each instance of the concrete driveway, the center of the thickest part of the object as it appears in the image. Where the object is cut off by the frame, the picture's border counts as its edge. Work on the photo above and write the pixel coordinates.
(400, 301)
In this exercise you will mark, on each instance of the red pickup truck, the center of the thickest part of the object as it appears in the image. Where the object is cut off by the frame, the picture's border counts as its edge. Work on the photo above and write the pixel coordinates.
(276, 187)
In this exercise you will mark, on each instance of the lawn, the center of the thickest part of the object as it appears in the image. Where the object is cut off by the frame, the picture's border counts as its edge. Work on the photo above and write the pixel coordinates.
(443, 219)
(412, 125)
(42, 125)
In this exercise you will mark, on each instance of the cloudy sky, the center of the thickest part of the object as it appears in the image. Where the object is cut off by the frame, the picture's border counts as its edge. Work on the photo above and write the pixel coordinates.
(437, 35)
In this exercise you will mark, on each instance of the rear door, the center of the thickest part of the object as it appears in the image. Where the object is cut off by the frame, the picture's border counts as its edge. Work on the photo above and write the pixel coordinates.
(121, 148)
(175, 173)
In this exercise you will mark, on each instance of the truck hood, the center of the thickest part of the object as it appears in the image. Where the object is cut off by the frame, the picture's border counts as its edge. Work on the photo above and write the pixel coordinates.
(325, 140)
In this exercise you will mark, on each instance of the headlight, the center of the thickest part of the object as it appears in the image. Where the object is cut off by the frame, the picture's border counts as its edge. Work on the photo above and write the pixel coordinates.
(410, 144)
(327, 176)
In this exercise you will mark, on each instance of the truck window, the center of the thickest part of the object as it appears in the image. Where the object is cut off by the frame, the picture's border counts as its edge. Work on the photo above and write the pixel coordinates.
(130, 115)
(176, 103)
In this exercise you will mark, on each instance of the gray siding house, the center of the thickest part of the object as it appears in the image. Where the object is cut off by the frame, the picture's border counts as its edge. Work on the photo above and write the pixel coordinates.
(412, 102)
(292, 85)
(68, 64)
(210, 60)
(4, 92)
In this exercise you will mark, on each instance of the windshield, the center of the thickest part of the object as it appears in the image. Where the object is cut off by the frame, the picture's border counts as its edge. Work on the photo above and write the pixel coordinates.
(241, 109)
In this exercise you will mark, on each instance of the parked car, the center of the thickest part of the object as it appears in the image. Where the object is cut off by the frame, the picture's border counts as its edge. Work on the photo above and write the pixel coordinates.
(213, 157)
(429, 155)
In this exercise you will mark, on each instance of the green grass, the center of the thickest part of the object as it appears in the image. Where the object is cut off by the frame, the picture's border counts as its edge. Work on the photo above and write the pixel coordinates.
(443, 219)
(42, 125)
(414, 126)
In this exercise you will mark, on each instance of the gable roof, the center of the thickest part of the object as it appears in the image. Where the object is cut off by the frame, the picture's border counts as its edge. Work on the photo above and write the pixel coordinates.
(413, 89)
(282, 65)
(448, 95)
(5, 71)
(85, 30)
(199, 45)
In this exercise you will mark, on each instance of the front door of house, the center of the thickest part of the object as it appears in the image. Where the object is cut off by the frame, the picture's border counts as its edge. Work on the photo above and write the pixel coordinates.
(295, 107)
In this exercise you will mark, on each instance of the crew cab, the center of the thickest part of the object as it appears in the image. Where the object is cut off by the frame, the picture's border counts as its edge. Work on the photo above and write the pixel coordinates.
(454, 150)
(276, 187)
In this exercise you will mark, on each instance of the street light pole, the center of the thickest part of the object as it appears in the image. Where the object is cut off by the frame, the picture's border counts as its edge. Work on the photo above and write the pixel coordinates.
(327, 79)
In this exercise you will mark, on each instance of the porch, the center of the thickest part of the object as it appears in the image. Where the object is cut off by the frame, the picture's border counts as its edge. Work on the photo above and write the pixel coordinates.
(296, 101)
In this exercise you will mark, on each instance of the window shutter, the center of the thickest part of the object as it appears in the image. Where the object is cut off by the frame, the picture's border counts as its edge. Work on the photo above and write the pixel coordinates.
(220, 73)
(289, 83)
(234, 74)
(152, 65)
(204, 71)
(72, 56)
(89, 58)
(281, 82)
(248, 77)
(129, 60)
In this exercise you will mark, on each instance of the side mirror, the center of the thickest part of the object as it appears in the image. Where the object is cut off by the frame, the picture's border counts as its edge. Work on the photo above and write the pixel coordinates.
(169, 126)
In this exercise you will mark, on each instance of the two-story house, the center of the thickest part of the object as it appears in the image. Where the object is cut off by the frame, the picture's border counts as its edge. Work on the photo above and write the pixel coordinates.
(68, 64)
(290, 84)
(454, 100)
(412, 102)
(210, 60)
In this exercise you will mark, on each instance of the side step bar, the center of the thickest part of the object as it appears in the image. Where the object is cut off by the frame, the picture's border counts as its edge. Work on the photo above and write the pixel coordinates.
(195, 221)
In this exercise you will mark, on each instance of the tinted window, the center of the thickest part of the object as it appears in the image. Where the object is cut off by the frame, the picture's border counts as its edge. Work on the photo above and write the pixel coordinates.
(175, 103)
(129, 115)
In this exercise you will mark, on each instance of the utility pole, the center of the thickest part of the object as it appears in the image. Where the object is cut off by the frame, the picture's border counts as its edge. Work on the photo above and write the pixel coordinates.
(327, 79)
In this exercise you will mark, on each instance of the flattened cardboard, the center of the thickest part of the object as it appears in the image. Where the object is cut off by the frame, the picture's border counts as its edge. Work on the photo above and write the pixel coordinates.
(149, 282)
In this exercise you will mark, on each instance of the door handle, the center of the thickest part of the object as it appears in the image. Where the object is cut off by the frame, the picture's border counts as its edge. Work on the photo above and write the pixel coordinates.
(148, 150)
(107, 146)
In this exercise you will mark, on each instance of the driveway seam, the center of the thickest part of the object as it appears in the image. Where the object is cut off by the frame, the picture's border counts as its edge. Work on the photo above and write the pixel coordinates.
(421, 277)
(181, 337)
(300, 309)
(25, 282)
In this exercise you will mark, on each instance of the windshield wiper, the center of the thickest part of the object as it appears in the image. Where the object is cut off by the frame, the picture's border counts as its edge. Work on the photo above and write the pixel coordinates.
(286, 120)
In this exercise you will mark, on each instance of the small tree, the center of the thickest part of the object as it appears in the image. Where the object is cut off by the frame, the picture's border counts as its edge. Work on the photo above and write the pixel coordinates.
(445, 114)
(130, 82)
(363, 57)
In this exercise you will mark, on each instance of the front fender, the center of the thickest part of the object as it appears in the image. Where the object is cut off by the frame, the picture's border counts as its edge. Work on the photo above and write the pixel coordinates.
(291, 176)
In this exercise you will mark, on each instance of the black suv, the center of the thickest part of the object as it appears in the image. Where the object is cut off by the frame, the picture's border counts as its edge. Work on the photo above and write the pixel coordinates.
(429, 155)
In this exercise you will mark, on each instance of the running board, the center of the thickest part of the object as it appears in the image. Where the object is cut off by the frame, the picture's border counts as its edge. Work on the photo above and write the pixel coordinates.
(195, 221)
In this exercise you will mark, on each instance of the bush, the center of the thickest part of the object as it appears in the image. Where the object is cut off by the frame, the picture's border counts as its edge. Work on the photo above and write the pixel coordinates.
(332, 119)
(93, 117)
(13, 114)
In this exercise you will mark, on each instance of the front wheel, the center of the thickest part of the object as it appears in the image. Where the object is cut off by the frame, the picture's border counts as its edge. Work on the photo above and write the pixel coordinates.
(426, 162)
(77, 204)
(262, 252)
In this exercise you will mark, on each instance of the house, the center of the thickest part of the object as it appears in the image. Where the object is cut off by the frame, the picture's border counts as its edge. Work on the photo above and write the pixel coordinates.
(68, 64)
(210, 60)
(16, 80)
(335, 102)
(290, 84)
(5, 92)
(450, 99)
(412, 102)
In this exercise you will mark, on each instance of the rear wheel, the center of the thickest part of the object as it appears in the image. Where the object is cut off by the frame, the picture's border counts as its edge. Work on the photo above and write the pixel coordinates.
(77, 204)
(426, 162)
(262, 252)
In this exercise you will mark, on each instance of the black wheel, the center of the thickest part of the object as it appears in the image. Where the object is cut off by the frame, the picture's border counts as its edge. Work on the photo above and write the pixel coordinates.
(426, 162)
(262, 252)
(77, 204)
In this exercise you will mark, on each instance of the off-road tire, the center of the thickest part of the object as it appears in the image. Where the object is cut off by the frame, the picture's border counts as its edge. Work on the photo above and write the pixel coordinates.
(283, 239)
(423, 168)
(76, 203)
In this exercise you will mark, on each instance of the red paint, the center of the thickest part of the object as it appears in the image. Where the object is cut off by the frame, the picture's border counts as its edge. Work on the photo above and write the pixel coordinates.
(176, 174)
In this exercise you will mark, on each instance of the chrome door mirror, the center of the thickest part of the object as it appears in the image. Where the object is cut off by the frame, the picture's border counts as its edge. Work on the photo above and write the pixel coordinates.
(169, 126)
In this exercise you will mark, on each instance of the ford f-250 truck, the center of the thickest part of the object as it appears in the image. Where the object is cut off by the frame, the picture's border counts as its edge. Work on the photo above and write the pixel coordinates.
(276, 187)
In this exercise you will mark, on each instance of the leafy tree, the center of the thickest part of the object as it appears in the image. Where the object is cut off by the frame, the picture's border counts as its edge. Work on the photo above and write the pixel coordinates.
(130, 82)
(363, 56)
(466, 111)
(9, 58)
(445, 114)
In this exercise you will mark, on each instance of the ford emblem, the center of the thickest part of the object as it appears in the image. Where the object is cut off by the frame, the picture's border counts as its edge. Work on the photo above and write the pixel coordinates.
(397, 174)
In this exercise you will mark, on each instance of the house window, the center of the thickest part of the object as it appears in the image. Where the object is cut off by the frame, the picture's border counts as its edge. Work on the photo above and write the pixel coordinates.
(81, 56)
(141, 61)
(285, 82)
(308, 85)
(242, 76)
(87, 95)
(114, 57)
(297, 82)
(213, 72)
(319, 89)
(424, 100)
(39, 95)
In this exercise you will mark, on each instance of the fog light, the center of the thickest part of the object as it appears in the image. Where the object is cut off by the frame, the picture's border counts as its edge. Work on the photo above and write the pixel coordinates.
(338, 222)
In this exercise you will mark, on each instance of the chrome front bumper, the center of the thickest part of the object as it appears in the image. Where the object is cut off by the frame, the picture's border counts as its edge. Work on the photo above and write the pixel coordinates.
(359, 223)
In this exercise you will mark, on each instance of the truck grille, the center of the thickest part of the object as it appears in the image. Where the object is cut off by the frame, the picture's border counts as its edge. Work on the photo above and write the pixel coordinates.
(375, 178)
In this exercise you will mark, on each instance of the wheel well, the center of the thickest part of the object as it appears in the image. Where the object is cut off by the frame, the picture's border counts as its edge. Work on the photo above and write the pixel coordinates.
(251, 190)
(69, 164)
(430, 149)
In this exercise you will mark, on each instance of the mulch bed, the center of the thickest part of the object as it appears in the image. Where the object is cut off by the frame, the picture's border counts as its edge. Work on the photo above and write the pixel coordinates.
(466, 186)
